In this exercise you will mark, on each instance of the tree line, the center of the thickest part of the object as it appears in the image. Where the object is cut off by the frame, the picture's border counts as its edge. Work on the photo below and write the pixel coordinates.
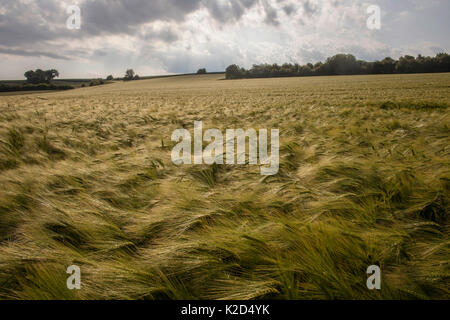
(345, 64)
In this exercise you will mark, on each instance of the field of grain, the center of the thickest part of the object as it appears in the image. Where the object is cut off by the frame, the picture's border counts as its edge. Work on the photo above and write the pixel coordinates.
(87, 179)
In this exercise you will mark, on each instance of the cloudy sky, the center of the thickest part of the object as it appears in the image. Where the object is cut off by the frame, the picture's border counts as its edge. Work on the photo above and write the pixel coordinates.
(180, 36)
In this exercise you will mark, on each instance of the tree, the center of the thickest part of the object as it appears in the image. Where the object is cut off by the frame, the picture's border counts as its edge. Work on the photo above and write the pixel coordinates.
(318, 68)
(50, 75)
(233, 72)
(32, 76)
(201, 71)
(110, 78)
(129, 75)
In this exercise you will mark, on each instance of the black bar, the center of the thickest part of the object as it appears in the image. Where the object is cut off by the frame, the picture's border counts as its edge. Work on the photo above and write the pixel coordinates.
(215, 310)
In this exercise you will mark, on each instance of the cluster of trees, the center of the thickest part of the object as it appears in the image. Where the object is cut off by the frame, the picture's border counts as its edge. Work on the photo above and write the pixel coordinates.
(345, 64)
(40, 76)
(130, 75)
(201, 71)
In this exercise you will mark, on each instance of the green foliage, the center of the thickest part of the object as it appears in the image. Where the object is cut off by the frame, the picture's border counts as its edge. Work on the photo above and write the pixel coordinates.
(234, 72)
(391, 105)
(97, 82)
(39, 76)
(345, 64)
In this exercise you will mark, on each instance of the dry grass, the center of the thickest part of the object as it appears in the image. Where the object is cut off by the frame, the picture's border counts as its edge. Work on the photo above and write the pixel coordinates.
(86, 178)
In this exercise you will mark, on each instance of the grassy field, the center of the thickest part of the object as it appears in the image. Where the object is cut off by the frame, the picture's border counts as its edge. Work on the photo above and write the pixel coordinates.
(87, 179)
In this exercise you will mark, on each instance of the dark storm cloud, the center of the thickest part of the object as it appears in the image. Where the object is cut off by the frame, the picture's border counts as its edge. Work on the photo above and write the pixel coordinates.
(34, 53)
(166, 35)
(271, 13)
(14, 33)
(310, 7)
(289, 9)
(26, 28)
(121, 16)
(25, 23)
(229, 10)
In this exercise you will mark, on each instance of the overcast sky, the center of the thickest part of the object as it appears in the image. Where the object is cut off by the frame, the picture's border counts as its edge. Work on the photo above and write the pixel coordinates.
(180, 36)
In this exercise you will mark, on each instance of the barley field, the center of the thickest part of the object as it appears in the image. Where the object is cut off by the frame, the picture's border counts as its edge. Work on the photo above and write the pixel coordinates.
(87, 179)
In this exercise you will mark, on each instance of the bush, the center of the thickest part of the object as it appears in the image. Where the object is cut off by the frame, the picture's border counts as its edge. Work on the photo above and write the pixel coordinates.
(97, 82)
(201, 71)
(33, 87)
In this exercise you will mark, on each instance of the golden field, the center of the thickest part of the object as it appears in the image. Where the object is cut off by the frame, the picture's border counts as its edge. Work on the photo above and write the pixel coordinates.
(87, 179)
